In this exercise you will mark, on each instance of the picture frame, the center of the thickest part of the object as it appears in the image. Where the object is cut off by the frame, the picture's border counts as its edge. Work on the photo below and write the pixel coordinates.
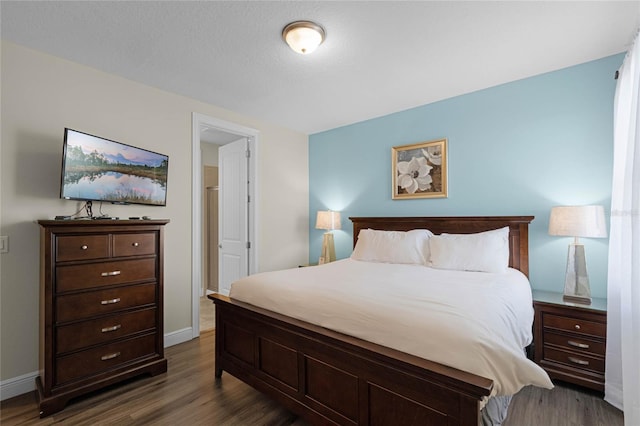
(419, 170)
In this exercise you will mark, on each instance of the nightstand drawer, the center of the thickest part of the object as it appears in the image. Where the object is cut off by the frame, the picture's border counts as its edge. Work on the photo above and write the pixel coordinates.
(575, 325)
(573, 359)
(575, 343)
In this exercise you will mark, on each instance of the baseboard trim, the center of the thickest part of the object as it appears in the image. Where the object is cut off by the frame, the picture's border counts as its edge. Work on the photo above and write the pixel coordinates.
(27, 382)
(18, 385)
(613, 395)
(178, 336)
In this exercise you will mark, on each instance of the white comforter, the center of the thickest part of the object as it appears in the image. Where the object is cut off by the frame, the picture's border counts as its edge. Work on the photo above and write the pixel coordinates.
(473, 321)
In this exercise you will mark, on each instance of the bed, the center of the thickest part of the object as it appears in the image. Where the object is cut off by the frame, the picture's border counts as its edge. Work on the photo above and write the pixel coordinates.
(329, 377)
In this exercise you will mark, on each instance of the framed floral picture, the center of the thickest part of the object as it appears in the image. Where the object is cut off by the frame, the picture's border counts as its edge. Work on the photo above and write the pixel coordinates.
(419, 170)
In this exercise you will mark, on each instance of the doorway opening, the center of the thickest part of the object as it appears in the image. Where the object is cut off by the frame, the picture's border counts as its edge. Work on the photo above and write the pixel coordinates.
(210, 216)
(209, 134)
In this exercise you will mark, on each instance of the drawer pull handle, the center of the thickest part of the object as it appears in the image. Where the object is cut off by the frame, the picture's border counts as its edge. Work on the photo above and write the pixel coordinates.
(577, 345)
(84, 247)
(110, 301)
(110, 274)
(112, 328)
(135, 244)
(578, 361)
(577, 326)
(110, 356)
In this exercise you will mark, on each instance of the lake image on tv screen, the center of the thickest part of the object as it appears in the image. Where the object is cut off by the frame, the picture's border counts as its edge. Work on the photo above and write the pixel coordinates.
(98, 169)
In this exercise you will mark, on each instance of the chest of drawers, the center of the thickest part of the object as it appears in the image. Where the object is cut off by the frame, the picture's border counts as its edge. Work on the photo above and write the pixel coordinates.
(570, 339)
(101, 310)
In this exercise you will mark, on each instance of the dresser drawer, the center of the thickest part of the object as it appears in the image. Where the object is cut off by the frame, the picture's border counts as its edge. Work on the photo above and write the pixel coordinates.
(573, 359)
(575, 343)
(575, 325)
(86, 305)
(103, 358)
(77, 277)
(134, 244)
(82, 247)
(104, 329)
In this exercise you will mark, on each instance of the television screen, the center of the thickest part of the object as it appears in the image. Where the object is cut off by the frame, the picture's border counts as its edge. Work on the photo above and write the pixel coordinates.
(98, 169)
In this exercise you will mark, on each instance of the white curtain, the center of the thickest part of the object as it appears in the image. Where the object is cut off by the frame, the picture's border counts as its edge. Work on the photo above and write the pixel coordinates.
(622, 383)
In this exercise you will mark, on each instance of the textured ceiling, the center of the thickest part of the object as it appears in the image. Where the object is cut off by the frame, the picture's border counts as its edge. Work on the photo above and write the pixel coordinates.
(378, 58)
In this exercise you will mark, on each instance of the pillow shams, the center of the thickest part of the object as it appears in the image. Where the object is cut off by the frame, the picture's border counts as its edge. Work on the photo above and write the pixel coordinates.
(411, 247)
(484, 251)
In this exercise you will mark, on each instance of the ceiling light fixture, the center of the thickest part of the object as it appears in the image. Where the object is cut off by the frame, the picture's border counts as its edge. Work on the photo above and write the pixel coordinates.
(303, 36)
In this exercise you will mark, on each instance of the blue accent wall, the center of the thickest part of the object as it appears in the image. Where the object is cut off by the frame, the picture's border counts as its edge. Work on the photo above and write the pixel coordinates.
(515, 149)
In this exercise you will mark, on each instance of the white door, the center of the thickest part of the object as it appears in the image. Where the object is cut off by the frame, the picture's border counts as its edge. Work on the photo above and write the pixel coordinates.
(233, 214)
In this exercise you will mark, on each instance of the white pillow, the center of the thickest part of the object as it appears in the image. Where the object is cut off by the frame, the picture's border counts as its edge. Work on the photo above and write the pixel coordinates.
(411, 247)
(484, 251)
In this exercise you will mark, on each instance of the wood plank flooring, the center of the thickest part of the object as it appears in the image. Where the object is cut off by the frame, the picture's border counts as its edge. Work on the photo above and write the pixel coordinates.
(188, 394)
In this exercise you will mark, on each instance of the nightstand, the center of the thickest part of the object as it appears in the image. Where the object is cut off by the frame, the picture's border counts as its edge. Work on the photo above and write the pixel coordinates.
(570, 339)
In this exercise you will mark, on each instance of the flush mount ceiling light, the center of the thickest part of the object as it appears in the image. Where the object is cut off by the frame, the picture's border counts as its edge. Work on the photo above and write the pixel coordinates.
(303, 36)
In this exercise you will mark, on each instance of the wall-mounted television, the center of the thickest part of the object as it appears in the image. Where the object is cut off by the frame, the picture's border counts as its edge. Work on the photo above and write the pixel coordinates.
(99, 169)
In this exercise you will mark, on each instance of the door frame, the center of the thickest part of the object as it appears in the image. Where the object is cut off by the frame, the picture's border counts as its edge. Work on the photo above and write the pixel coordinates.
(198, 122)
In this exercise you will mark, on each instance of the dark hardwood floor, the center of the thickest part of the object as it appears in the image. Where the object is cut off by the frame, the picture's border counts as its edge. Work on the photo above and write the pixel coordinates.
(188, 394)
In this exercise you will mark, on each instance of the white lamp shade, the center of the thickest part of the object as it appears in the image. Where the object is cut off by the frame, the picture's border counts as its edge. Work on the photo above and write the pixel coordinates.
(327, 219)
(578, 221)
(303, 36)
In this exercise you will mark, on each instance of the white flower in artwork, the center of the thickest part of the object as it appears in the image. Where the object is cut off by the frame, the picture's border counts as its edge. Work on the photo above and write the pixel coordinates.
(434, 154)
(414, 175)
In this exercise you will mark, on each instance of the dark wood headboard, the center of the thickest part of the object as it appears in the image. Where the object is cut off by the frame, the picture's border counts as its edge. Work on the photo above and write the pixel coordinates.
(518, 230)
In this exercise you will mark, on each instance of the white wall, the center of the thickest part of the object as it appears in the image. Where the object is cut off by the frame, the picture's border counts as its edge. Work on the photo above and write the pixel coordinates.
(209, 154)
(41, 95)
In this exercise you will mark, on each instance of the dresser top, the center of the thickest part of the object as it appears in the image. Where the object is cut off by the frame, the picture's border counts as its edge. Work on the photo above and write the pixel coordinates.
(103, 222)
(597, 304)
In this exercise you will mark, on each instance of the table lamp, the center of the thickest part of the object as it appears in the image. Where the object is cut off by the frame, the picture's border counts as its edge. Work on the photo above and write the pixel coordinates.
(577, 221)
(328, 220)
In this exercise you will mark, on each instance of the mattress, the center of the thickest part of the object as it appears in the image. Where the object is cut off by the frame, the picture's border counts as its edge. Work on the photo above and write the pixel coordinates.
(473, 321)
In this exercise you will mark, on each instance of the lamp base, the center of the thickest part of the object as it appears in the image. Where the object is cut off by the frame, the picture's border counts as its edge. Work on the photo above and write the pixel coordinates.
(577, 299)
(328, 249)
(576, 283)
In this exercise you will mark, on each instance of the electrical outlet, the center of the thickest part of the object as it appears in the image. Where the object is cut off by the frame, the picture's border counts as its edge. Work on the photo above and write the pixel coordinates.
(4, 244)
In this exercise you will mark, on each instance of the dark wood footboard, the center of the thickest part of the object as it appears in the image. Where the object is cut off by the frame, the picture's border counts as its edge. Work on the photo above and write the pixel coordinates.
(330, 378)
